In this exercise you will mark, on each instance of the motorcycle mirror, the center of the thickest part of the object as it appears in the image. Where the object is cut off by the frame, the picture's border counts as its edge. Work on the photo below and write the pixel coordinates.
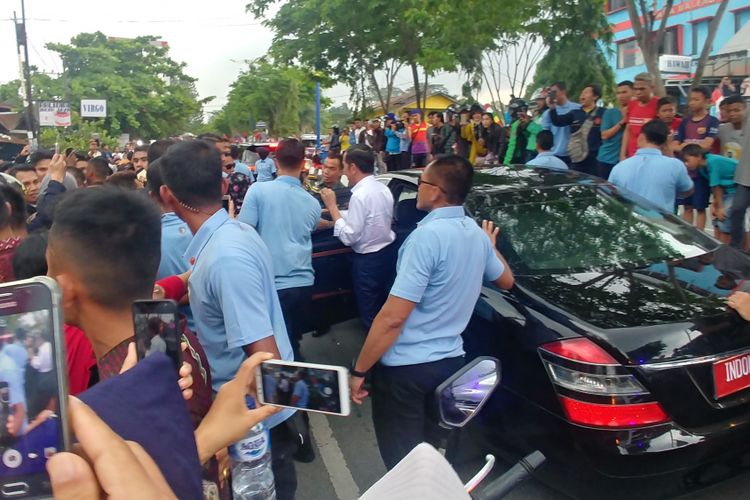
(462, 395)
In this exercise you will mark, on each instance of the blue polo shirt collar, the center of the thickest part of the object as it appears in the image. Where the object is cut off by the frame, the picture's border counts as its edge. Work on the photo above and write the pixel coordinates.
(546, 153)
(444, 213)
(200, 239)
(649, 151)
(288, 179)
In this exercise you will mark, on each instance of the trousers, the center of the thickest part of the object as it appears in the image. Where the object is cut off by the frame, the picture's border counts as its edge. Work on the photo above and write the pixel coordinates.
(295, 305)
(737, 215)
(373, 275)
(404, 411)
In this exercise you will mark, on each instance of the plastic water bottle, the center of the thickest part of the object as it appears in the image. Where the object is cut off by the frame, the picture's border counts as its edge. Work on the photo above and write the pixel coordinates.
(252, 477)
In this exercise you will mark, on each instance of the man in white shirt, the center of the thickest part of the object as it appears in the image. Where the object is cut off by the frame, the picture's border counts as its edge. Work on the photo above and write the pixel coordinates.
(366, 227)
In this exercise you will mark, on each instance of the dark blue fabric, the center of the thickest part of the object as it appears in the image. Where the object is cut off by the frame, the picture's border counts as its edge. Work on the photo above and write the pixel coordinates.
(373, 275)
(145, 405)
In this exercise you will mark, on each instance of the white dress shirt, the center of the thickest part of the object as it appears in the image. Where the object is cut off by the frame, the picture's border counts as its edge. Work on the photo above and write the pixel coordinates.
(366, 226)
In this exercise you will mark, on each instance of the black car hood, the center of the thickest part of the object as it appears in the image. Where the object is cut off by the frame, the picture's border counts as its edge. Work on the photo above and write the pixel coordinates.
(680, 305)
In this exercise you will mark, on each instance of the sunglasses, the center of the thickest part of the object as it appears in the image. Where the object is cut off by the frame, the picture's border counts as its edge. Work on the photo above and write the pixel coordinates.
(422, 181)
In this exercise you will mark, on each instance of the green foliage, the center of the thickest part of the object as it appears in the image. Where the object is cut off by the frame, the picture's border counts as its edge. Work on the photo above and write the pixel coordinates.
(282, 96)
(148, 94)
(578, 62)
(76, 137)
(10, 94)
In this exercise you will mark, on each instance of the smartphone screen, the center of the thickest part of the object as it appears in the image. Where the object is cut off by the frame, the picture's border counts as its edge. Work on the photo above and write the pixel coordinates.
(156, 329)
(32, 387)
(305, 386)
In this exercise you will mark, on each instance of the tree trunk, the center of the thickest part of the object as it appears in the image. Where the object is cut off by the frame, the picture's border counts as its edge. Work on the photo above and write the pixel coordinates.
(415, 76)
(648, 39)
(707, 47)
(374, 82)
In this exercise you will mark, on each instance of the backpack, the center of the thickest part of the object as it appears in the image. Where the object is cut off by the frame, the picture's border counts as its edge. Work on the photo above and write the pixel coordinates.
(578, 146)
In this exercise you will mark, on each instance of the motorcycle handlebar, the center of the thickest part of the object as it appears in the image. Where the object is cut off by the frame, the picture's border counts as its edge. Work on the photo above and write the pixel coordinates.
(505, 483)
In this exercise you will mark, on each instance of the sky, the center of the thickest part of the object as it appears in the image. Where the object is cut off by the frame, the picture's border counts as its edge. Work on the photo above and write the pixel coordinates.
(213, 38)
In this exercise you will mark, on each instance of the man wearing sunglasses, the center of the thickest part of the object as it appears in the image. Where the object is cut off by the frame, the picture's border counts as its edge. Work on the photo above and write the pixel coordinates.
(415, 341)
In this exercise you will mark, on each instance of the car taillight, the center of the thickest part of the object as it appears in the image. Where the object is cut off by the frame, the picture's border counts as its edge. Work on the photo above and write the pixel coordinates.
(595, 390)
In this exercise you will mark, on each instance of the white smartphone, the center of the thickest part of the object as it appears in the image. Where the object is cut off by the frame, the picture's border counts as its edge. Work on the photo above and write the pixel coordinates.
(304, 386)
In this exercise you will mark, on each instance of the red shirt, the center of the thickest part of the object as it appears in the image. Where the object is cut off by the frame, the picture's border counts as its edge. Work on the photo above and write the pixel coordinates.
(79, 357)
(638, 116)
(7, 251)
(674, 126)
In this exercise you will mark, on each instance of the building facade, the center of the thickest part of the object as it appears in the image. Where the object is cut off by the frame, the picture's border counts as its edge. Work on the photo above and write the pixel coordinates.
(687, 28)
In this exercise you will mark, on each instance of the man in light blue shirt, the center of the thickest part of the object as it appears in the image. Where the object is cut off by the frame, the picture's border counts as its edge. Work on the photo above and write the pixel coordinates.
(649, 173)
(285, 215)
(416, 337)
(562, 105)
(175, 236)
(232, 293)
(265, 167)
(239, 167)
(544, 157)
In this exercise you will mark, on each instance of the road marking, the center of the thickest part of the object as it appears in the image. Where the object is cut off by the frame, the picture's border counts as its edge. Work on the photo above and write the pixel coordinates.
(333, 458)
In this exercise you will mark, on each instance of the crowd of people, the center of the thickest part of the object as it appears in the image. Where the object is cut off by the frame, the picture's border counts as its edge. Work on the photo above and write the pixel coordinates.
(188, 220)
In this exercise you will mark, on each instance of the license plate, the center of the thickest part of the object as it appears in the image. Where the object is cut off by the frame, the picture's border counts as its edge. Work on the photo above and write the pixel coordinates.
(731, 375)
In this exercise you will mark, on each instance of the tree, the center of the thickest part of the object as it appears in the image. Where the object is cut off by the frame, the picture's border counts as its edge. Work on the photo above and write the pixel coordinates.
(148, 94)
(351, 45)
(10, 93)
(649, 35)
(282, 96)
(708, 45)
(511, 63)
(578, 62)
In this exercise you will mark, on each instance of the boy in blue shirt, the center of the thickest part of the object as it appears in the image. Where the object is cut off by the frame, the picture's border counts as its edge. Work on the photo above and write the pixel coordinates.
(719, 170)
(265, 168)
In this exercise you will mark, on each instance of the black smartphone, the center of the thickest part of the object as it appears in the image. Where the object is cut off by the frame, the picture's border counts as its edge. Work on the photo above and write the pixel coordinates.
(156, 329)
(33, 386)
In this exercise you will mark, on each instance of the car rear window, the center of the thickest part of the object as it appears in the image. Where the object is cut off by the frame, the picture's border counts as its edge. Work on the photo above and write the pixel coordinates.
(573, 228)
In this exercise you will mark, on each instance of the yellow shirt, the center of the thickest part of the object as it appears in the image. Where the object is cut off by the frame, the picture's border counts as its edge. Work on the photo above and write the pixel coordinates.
(344, 142)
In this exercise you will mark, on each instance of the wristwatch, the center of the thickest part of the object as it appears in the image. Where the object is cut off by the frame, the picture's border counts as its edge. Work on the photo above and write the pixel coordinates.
(354, 372)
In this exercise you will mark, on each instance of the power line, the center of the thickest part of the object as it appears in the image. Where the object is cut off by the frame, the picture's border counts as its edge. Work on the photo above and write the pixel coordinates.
(204, 22)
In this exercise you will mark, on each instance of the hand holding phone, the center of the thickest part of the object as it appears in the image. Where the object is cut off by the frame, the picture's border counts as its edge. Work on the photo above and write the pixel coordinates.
(304, 386)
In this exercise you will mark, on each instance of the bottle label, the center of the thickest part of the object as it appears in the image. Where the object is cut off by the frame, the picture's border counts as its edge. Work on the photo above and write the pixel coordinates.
(251, 448)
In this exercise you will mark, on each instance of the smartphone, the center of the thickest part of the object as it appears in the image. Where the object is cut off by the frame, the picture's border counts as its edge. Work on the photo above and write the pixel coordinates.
(304, 386)
(156, 329)
(57, 148)
(33, 386)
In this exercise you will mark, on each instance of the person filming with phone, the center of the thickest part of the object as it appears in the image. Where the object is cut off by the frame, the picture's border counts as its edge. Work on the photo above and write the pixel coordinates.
(415, 342)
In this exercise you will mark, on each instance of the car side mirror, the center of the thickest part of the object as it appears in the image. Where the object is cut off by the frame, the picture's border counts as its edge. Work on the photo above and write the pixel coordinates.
(462, 395)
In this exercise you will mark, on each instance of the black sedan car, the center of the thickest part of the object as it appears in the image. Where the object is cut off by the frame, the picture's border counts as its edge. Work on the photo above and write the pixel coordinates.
(619, 354)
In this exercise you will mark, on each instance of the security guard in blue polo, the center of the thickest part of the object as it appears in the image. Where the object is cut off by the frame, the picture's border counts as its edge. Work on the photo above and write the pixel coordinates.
(415, 342)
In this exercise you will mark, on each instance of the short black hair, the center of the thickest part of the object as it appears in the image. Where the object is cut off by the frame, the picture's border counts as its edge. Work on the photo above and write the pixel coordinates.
(100, 167)
(545, 140)
(656, 132)
(18, 212)
(94, 140)
(440, 115)
(290, 153)
(78, 174)
(694, 150)
(210, 137)
(362, 156)
(560, 85)
(701, 90)
(626, 83)
(263, 152)
(141, 149)
(30, 260)
(38, 156)
(98, 231)
(192, 171)
(234, 152)
(21, 167)
(337, 157)
(663, 101)
(733, 99)
(157, 149)
(125, 180)
(154, 179)
(596, 89)
(456, 176)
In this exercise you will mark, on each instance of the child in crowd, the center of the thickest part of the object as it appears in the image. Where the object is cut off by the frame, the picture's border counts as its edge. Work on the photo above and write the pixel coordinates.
(720, 173)
(666, 111)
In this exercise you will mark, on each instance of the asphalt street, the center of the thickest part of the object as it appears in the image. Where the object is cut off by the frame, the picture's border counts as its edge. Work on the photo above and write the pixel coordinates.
(348, 462)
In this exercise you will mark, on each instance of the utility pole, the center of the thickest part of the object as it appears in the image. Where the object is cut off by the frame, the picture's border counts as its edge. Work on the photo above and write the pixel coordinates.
(26, 72)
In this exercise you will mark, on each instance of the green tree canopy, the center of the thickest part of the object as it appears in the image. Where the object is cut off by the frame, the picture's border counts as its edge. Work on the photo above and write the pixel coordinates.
(148, 94)
(282, 96)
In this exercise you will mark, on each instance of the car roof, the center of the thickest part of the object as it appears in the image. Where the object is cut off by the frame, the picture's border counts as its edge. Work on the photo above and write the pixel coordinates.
(514, 178)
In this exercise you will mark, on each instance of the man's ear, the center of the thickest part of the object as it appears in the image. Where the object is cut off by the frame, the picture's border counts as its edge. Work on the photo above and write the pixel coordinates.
(71, 295)
(169, 199)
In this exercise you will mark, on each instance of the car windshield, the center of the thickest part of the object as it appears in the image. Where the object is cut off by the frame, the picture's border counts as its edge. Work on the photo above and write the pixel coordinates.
(575, 228)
